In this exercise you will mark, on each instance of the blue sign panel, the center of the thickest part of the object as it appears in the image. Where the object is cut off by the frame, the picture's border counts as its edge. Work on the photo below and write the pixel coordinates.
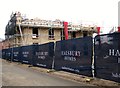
(4, 53)
(107, 56)
(9, 54)
(43, 55)
(16, 54)
(26, 54)
(74, 55)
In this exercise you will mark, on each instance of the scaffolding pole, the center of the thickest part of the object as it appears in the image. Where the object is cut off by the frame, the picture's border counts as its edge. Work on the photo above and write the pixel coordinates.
(21, 34)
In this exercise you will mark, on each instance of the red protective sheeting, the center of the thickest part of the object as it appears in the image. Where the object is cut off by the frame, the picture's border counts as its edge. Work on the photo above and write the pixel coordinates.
(118, 29)
(98, 29)
(66, 30)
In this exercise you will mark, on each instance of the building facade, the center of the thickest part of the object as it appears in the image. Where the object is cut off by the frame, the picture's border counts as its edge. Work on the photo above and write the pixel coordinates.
(21, 31)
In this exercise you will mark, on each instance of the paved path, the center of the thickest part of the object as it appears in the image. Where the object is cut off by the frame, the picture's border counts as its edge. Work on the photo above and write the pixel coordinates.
(17, 75)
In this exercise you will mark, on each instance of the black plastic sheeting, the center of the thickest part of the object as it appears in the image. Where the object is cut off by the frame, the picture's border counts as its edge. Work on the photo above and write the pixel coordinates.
(74, 55)
(107, 56)
(43, 55)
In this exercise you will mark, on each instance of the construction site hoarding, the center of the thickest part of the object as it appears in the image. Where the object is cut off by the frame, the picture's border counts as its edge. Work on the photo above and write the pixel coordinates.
(16, 54)
(26, 54)
(43, 55)
(74, 55)
(107, 56)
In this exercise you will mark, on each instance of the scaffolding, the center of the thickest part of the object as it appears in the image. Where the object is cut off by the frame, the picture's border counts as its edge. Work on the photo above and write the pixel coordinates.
(14, 30)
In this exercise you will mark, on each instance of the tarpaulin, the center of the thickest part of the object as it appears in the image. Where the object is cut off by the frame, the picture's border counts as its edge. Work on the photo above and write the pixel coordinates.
(98, 29)
(66, 30)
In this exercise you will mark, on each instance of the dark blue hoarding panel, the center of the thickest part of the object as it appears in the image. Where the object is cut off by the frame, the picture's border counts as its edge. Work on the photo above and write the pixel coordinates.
(4, 53)
(74, 55)
(16, 54)
(107, 56)
(26, 54)
(9, 54)
(43, 55)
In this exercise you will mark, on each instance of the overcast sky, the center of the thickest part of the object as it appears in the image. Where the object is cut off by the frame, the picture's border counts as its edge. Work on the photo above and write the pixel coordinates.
(103, 13)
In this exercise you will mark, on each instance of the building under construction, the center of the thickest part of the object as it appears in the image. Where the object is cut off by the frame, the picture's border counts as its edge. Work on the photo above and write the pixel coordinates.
(21, 31)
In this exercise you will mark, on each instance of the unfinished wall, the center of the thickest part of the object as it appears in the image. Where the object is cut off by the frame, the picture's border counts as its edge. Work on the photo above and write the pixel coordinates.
(57, 34)
(79, 34)
(42, 37)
